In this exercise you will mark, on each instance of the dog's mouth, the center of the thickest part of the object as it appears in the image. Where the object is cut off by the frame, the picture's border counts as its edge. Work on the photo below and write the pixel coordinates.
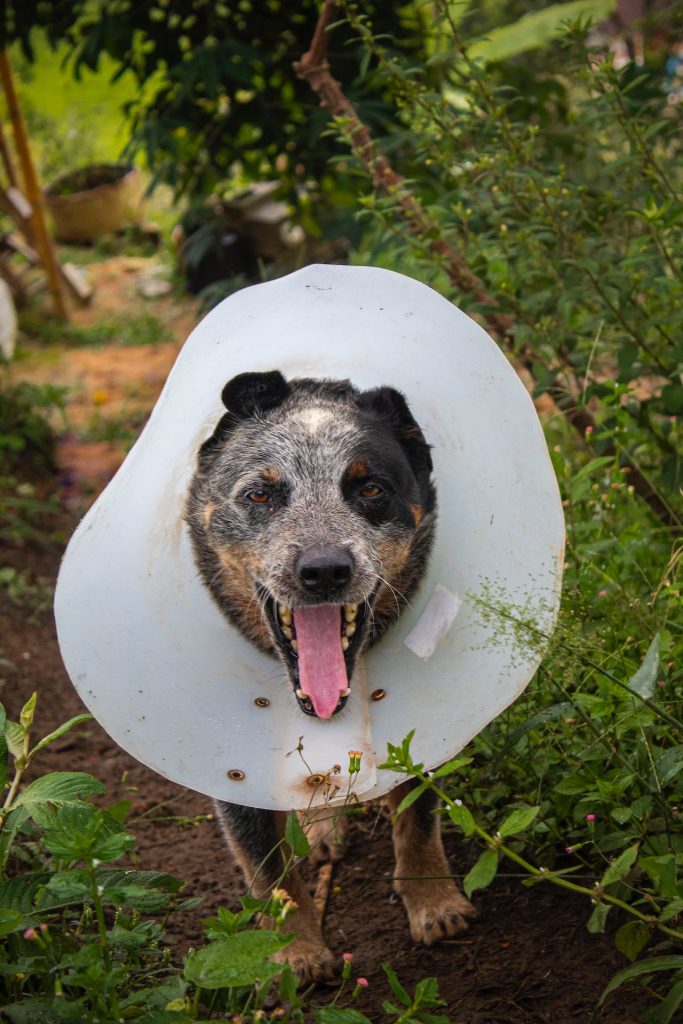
(319, 644)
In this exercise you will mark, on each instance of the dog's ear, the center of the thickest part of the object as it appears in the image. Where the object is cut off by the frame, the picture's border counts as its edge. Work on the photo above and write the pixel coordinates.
(391, 407)
(244, 396)
(253, 393)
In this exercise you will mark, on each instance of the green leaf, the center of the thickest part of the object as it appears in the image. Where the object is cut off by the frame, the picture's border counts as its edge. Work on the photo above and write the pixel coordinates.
(482, 873)
(19, 893)
(10, 921)
(58, 787)
(411, 796)
(4, 752)
(651, 966)
(64, 728)
(460, 815)
(339, 1015)
(451, 766)
(14, 735)
(620, 867)
(295, 837)
(396, 986)
(536, 29)
(563, 710)
(644, 682)
(664, 1013)
(631, 938)
(519, 820)
(598, 920)
(27, 712)
(671, 910)
(235, 960)
(13, 822)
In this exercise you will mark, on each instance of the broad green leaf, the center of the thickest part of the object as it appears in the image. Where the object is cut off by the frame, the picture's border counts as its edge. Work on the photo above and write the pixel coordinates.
(18, 893)
(236, 960)
(520, 819)
(295, 837)
(536, 29)
(651, 966)
(10, 921)
(620, 867)
(482, 873)
(460, 815)
(644, 681)
(58, 787)
(13, 822)
(64, 728)
(339, 1015)
(670, 764)
(631, 938)
(598, 919)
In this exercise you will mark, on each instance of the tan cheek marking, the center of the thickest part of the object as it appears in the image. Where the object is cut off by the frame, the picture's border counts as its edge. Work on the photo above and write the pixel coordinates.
(358, 470)
(417, 514)
(207, 514)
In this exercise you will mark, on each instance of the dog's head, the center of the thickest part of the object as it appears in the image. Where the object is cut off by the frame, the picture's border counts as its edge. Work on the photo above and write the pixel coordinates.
(312, 513)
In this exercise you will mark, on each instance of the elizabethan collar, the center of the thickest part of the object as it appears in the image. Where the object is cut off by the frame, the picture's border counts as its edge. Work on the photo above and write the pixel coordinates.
(179, 687)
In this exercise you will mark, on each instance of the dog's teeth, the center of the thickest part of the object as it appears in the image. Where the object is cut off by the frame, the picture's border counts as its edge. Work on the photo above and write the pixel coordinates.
(345, 643)
(301, 695)
(350, 612)
(345, 693)
(350, 628)
(287, 632)
(294, 645)
(285, 614)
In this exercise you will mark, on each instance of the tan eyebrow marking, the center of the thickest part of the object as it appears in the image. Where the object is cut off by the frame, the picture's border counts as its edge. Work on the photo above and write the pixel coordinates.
(417, 514)
(358, 470)
(270, 475)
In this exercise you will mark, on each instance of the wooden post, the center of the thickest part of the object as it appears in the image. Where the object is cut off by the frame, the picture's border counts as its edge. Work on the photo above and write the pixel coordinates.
(43, 240)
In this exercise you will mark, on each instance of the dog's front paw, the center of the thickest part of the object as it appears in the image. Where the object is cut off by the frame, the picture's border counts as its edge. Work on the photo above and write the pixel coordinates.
(311, 961)
(436, 911)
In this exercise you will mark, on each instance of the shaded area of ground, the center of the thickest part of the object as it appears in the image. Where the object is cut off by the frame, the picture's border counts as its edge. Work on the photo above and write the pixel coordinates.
(527, 960)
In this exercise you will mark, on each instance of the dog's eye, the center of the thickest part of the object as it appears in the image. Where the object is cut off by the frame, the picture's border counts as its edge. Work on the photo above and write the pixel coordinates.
(259, 496)
(370, 491)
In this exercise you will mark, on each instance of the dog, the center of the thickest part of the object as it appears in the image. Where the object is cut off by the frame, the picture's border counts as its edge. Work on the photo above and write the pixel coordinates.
(312, 512)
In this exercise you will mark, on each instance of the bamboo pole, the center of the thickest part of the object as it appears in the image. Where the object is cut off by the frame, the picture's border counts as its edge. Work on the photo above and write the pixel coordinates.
(43, 240)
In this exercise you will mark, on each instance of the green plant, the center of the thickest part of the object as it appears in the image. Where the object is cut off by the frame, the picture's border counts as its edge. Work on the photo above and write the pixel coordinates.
(26, 437)
(83, 938)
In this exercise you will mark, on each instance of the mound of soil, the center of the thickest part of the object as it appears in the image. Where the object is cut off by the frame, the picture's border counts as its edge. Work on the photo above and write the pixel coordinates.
(528, 959)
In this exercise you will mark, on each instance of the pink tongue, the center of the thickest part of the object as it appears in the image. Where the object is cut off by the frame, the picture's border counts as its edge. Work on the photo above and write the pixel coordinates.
(322, 672)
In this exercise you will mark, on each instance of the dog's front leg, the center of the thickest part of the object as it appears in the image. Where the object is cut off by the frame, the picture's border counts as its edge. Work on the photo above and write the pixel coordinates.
(435, 906)
(255, 836)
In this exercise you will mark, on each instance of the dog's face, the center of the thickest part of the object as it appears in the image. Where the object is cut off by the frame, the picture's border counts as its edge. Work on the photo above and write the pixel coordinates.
(312, 513)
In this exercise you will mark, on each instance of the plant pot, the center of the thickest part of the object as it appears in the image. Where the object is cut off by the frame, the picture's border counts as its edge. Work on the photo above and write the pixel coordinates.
(94, 201)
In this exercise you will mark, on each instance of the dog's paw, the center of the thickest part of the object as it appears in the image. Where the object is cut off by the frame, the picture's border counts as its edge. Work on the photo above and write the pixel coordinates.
(436, 912)
(311, 961)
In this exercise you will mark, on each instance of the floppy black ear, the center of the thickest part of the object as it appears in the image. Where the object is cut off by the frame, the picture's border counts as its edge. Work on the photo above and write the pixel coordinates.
(391, 407)
(244, 396)
(252, 393)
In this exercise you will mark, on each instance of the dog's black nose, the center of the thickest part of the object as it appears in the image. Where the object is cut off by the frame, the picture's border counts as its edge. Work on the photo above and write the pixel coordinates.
(325, 570)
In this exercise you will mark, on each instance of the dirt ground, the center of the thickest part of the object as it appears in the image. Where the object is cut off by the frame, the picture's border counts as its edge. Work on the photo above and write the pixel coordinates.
(527, 960)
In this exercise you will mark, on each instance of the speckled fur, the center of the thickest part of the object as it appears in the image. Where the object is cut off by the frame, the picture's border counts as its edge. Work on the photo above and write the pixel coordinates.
(309, 445)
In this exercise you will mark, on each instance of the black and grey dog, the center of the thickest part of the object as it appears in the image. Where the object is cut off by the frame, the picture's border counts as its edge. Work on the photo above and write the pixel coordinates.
(312, 514)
